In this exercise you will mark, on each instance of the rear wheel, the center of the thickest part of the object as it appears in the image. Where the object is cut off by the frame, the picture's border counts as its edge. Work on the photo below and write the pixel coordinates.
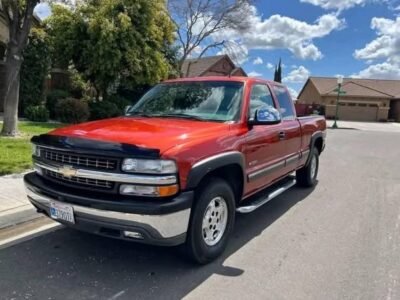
(212, 221)
(307, 176)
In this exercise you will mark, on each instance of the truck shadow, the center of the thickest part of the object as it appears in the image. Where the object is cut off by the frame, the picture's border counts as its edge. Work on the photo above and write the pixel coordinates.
(76, 265)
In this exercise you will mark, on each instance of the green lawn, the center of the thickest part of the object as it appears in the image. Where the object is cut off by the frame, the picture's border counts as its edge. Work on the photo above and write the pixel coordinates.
(15, 153)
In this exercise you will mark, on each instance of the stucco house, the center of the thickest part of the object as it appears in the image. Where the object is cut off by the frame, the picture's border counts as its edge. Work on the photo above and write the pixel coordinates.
(364, 99)
(220, 65)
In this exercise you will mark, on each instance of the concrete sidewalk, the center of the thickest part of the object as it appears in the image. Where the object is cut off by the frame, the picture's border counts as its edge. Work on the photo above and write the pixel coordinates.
(367, 126)
(14, 205)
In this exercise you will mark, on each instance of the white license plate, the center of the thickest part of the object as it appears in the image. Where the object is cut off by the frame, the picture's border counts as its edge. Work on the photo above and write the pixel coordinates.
(62, 212)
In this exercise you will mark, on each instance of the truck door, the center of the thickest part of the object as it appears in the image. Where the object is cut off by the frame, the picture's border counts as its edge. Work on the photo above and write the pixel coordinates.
(290, 133)
(262, 149)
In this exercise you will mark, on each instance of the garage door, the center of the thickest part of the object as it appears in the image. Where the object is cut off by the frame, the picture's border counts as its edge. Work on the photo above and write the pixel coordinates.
(358, 113)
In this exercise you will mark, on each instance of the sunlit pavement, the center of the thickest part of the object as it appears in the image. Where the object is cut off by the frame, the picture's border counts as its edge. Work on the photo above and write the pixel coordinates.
(338, 241)
(367, 126)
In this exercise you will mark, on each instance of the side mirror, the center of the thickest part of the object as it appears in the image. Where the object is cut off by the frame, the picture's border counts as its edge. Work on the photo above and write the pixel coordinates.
(127, 108)
(266, 115)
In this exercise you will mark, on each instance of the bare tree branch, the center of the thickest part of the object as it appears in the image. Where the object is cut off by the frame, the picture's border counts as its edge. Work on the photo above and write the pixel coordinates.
(211, 46)
(197, 21)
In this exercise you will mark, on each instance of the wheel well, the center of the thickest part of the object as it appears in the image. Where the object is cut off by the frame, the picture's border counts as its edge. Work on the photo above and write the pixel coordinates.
(233, 174)
(318, 144)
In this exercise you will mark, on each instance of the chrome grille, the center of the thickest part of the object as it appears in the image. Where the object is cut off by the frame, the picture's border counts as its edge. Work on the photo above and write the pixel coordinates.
(81, 181)
(78, 160)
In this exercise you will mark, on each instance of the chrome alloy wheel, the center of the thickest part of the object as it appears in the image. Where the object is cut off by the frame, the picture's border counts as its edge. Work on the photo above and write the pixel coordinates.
(313, 167)
(215, 220)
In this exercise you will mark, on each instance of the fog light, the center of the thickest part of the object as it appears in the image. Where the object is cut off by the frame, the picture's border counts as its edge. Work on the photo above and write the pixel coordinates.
(144, 190)
(133, 235)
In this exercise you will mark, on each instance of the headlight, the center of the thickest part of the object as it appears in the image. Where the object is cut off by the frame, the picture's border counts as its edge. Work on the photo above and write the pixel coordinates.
(35, 150)
(149, 166)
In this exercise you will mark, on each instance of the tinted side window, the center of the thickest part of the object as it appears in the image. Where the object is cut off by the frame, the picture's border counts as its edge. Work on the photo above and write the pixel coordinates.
(285, 103)
(260, 96)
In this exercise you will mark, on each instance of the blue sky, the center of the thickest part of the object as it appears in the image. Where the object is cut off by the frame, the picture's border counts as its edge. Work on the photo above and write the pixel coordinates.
(361, 39)
(352, 38)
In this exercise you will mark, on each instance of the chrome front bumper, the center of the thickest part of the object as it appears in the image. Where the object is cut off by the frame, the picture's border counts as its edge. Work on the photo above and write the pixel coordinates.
(165, 229)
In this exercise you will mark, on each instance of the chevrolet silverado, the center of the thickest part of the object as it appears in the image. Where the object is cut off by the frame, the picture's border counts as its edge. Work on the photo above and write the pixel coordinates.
(178, 166)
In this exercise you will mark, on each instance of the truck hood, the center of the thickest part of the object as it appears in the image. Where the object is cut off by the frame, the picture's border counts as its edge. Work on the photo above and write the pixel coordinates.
(155, 133)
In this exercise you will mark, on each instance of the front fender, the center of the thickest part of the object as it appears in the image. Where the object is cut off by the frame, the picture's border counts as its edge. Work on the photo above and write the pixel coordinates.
(206, 166)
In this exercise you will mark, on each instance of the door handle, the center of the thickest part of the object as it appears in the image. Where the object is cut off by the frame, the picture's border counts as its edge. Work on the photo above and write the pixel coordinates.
(282, 135)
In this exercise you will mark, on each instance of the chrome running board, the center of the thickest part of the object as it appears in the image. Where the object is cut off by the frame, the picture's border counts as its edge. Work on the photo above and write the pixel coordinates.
(257, 203)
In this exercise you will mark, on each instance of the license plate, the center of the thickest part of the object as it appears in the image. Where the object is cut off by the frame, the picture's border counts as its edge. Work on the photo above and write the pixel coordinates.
(62, 212)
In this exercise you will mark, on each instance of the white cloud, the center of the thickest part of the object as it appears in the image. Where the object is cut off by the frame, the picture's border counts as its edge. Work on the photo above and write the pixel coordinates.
(254, 74)
(293, 92)
(336, 4)
(299, 75)
(385, 47)
(258, 61)
(270, 66)
(42, 10)
(236, 51)
(386, 44)
(380, 71)
(281, 32)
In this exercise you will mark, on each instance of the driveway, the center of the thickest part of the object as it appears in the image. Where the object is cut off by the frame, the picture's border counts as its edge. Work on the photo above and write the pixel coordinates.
(338, 241)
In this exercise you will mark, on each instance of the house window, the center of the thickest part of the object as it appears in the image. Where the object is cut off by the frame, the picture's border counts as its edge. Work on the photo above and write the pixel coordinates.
(373, 105)
(352, 104)
(362, 104)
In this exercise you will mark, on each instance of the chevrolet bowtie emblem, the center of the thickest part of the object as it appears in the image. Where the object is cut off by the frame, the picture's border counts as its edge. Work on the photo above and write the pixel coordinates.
(67, 171)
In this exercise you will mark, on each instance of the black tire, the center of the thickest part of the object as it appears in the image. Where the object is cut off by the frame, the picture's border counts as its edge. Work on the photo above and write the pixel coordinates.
(304, 176)
(196, 246)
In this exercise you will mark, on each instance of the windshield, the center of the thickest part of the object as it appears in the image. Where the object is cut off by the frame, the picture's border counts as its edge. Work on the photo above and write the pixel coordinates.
(209, 101)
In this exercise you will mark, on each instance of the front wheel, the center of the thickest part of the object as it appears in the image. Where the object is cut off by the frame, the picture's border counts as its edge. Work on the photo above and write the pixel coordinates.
(212, 221)
(307, 176)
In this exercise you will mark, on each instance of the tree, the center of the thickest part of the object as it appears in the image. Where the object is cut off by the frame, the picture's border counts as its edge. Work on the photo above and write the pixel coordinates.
(19, 15)
(113, 41)
(278, 72)
(34, 70)
(197, 21)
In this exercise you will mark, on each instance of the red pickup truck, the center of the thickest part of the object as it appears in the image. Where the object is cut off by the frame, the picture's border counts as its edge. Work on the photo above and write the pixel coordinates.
(178, 166)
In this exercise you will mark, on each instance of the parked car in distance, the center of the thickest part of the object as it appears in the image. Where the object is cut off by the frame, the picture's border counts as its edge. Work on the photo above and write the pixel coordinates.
(179, 165)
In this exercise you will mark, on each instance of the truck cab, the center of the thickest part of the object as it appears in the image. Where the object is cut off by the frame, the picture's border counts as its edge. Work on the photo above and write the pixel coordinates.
(179, 165)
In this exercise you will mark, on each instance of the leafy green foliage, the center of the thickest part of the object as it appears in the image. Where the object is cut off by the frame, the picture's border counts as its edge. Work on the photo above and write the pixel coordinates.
(72, 110)
(120, 101)
(52, 98)
(103, 110)
(34, 69)
(114, 42)
(37, 113)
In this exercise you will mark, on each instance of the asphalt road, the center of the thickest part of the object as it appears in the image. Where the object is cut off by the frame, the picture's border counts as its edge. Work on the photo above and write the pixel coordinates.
(338, 241)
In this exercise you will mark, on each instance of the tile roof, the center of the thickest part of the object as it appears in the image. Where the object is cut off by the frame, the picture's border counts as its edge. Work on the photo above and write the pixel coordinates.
(359, 87)
(196, 67)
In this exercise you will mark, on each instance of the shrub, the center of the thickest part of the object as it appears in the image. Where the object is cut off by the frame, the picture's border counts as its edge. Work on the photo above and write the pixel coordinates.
(52, 98)
(78, 85)
(120, 101)
(72, 110)
(37, 113)
(34, 70)
(103, 110)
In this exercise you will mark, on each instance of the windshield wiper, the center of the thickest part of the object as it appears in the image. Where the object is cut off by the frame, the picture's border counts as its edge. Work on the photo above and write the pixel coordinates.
(183, 116)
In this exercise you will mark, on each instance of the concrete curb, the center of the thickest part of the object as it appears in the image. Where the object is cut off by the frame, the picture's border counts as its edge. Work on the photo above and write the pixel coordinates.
(18, 215)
